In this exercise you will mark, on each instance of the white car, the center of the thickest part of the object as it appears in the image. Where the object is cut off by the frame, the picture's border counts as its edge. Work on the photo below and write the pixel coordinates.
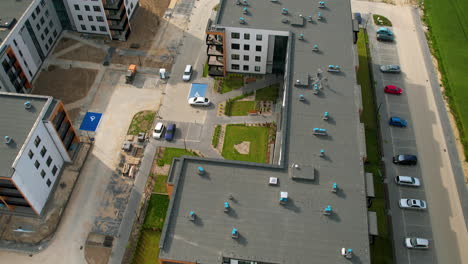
(158, 130)
(201, 101)
(187, 73)
(416, 243)
(407, 181)
(413, 204)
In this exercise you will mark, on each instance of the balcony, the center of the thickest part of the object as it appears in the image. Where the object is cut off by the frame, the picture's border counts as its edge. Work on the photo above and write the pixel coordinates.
(116, 15)
(216, 70)
(214, 51)
(118, 25)
(214, 40)
(215, 61)
(113, 4)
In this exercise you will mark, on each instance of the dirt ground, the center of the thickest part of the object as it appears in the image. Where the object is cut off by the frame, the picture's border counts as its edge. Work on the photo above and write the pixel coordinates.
(63, 44)
(68, 85)
(85, 53)
(150, 61)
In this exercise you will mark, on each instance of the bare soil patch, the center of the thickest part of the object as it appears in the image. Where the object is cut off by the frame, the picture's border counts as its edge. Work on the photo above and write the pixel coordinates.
(68, 85)
(64, 43)
(149, 61)
(85, 53)
(243, 148)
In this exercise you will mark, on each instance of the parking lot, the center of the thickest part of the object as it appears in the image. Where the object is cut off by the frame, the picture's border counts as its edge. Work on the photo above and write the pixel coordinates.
(443, 222)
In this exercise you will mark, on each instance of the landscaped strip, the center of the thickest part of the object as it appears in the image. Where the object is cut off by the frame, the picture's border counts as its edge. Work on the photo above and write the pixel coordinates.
(382, 21)
(448, 38)
(160, 184)
(257, 138)
(230, 82)
(216, 135)
(381, 249)
(171, 153)
(269, 93)
(141, 122)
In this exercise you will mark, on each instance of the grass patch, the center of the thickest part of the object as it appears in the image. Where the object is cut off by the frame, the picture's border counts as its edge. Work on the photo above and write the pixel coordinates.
(257, 136)
(216, 135)
(160, 184)
(241, 108)
(216, 7)
(230, 103)
(141, 122)
(156, 212)
(448, 38)
(171, 153)
(269, 93)
(205, 70)
(382, 21)
(381, 250)
(230, 82)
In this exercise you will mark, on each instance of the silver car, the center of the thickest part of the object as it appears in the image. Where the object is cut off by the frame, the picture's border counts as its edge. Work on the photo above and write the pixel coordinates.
(416, 243)
(199, 101)
(390, 68)
(407, 181)
(413, 204)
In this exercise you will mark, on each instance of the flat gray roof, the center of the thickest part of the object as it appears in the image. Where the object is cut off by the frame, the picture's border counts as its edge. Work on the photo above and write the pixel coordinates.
(297, 232)
(16, 122)
(10, 9)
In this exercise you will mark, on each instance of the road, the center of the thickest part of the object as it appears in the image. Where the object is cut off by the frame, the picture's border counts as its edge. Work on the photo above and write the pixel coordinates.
(443, 223)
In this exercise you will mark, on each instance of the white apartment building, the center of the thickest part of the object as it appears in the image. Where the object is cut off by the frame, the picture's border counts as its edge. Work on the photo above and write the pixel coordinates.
(37, 140)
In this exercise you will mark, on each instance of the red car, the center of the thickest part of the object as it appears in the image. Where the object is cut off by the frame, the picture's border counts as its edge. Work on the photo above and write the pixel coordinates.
(392, 89)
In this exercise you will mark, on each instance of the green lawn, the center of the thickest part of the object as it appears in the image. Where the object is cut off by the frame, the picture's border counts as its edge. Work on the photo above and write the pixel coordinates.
(448, 34)
(257, 136)
(160, 184)
(205, 70)
(242, 108)
(156, 212)
(216, 134)
(232, 82)
(171, 153)
(382, 21)
(141, 122)
(269, 93)
(381, 250)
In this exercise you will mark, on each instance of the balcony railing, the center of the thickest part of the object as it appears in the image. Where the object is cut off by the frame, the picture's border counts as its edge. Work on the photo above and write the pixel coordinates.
(214, 61)
(116, 15)
(214, 40)
(214, 51)
(118, 26)
(113, 4)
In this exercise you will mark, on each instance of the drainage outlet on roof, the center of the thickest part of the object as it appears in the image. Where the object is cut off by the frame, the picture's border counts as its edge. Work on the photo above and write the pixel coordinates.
(27, 105)
(7, 139)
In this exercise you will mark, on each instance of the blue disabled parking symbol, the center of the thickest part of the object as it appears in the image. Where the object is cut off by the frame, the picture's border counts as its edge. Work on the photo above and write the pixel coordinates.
(91, 121)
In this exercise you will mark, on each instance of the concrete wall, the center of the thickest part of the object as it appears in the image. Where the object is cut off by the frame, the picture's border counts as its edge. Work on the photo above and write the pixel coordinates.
(90, 26)
(28, 178)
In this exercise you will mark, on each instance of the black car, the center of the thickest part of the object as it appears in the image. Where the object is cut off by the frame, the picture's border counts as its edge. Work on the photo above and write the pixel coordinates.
(405, 159)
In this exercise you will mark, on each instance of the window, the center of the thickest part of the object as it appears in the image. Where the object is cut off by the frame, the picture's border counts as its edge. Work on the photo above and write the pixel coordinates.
(93, 28)
(246, 47)
(131, 6)
(257, 68)
(258, 48)
(46, 13)
(80, 17)
(55, 33)
(43, 151)
(235, 35)
(49, 161)
(42, 3)
(33, 16)
(50, 40)
(235, 46)
(259, 37)
(102, 28)
(30, 154)
(246, 67)
(54, 170)
(100, 19)
(30, 73)
(37, 141)
(235, 66)
(246, 57)
(20, 53)
(97, 8)
(47, 46)
(86, 7)
(46, 31)
(51, 24)
(90, 18)
(37, 164)
(48, 183)
(258, 58)
(42, 36)
(38, 10)
(42, 20)
(38, 27)
(42, 174)
(14, 42)
(246, 36)
(235, 56)
(77, 7)
(83, 27)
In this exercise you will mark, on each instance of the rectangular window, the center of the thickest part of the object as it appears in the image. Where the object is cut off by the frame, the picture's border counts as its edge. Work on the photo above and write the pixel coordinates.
(97, 8)
(77, 7)
(42, 3)
(90, 18)
(93, 28)
(55, 33)
(259, 37)
(54, 170)
(50, 40)
(235, 35)
(80, 17)
(46, 31)
(42, 36)
(48, 183)
(100, 19)
(246, 47)
(246, 36)
(20, 53)
(38, 27)
(37, 164)
(14, 42)
(83, 27)
(246, 57)
(86, 7)
(38, 10)
(30, 73)
(30, 154)
(37, 141)
(235, 66)
(235, 46)
(47, 46)
(33, 16)
(46, 13)
(49, 161)
(102, 28)
(51, 24)
(258, 48)
(257, 68)
(258, 58)
(246, 67)
(42, 174)
(235, 56)
(43, 151)
(42, 21)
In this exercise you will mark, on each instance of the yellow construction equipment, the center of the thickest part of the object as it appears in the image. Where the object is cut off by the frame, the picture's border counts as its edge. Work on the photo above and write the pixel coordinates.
(131, 72)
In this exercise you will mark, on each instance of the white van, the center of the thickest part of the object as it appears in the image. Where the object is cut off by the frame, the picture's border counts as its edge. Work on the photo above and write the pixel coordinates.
(187, 73)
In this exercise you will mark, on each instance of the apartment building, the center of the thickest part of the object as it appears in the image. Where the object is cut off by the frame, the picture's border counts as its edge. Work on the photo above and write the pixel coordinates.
(38, 138)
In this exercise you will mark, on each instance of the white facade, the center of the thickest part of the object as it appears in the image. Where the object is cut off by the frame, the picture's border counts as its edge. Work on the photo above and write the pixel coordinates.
(131, 6)
(88, 16)
(36, 176)
(250, 50)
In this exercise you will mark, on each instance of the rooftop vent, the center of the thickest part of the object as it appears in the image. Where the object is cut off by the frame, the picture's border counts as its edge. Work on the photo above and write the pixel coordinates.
(7, 22)
(7, 139)
(27, 105)
(242, 20)
(235, 233)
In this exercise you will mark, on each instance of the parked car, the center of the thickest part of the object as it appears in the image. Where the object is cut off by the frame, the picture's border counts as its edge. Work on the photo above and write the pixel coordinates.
(170, 131)
(416, 243)
(357, 16)
(158, 130)
(407, 181)
(384, 31)
(398, 122)
(390, 68)
(385, 37)
(405, 159)
(200, 101)
(392, 89)
(187, 73)
(413, 204)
